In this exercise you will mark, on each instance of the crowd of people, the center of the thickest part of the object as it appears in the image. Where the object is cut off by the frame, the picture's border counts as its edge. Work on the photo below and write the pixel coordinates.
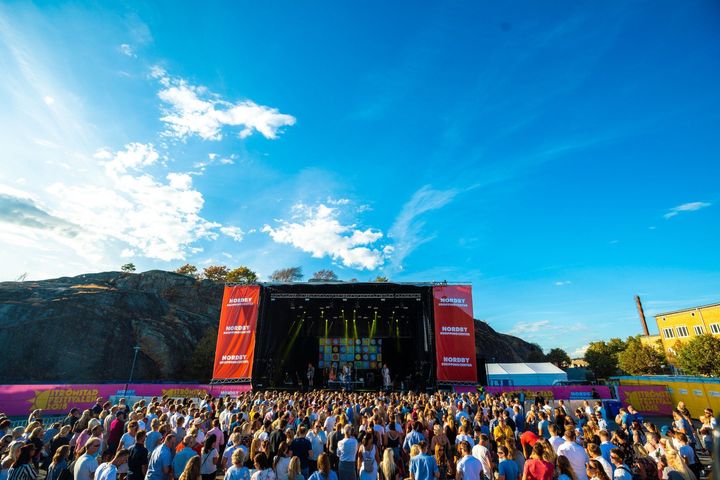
(325, 435)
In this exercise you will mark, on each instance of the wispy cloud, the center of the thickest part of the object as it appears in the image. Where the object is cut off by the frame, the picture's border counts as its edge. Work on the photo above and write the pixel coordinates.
(561, 283)
(127, 50)
(406, 232)
(318, 231)
(193, 110)
(685, 207)
(579, 352)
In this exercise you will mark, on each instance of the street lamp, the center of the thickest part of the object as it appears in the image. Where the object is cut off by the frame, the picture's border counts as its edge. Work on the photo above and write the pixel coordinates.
(132, 369)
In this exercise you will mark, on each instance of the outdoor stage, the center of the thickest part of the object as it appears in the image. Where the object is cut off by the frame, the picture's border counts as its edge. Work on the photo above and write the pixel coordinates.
(269, 334)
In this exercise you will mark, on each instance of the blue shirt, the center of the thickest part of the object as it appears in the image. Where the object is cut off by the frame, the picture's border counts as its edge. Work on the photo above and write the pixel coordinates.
(160, 459)
(543, 426)
(237, 473)
(605, 448)
(319, 476)
(152, 439)
(181, 459)
(509, 469)
(423, 467)
(413, 438)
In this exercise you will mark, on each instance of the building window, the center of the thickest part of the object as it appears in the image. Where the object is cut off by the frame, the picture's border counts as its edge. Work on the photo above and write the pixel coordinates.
(692, 314)
(682, 331)
(699, 330)
(668, 333)
(715, 328)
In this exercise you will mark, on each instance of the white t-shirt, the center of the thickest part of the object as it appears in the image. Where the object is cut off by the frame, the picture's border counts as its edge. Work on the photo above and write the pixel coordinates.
(281, 468)
(605, 464)
(577, 457)
(85, 467)
(106, 471)
(483, 454)
(470, 467)
(622, 473)
(555, 442)
(206, 462)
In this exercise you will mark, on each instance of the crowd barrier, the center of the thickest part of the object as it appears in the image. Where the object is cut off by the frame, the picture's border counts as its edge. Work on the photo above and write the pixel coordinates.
(20, 400)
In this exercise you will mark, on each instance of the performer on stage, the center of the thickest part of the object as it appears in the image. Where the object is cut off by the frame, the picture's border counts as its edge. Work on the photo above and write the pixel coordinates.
(310, 375)
(387, 382)
(347, 375)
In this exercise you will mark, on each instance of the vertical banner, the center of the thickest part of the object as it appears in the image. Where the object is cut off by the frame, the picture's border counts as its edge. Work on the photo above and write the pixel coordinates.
(454, 334)
(236, 333)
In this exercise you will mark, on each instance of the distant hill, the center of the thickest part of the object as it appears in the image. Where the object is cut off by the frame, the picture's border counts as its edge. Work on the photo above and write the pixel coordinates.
(83, 329)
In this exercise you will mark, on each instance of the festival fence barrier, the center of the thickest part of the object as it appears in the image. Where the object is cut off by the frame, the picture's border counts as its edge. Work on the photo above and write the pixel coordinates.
(698, 393)
(564, 392)
(646, 399)
(236, 334)
(17, 400)
(454, 334)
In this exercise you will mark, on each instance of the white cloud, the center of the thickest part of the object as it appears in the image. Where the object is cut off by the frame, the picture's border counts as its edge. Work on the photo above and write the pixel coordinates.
(213, 158)
(685, 207)
(530, 327)
(48, 100)
(127, 253)
(155, 219)
(579, 352)
(318, 231)
(561, 283)
(126, 49)
(193, 110)
(235, 233)
(407, 229)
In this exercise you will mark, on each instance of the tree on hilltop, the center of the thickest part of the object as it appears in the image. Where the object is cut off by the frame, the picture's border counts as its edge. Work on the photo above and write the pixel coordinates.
(216, 273)
(327, 275)
(189, 270)
(128, 268)
(290, 274)
(242, 275)
(381, 279)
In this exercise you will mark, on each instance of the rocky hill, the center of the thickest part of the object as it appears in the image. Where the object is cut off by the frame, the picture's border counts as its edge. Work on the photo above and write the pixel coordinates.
(83, 329)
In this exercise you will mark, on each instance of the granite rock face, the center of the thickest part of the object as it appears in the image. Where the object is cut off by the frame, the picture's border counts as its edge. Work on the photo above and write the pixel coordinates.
(83, 329)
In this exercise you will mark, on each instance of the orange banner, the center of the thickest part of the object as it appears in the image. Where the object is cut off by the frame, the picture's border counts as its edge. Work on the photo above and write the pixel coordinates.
(236, 333)
(454, 334)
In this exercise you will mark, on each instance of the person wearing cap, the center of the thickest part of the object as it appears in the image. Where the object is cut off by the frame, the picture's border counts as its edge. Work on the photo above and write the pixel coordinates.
(94, 430)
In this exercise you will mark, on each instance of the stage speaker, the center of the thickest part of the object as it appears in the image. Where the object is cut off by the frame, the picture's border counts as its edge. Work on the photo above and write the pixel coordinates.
(481, 370)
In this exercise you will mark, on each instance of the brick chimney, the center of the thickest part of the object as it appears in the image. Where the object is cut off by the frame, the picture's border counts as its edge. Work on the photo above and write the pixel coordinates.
(642, 315)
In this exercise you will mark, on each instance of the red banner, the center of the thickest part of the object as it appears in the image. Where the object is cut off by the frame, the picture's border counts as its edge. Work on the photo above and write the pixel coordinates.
(454, 334)
(236, 333)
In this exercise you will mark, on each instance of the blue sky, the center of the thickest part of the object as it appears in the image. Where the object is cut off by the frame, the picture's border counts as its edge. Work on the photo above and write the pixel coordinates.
(561, 157)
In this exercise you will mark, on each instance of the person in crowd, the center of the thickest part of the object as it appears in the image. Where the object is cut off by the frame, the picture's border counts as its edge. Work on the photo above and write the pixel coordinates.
(182, 457)
(301, 447)
(621, 470)
(263, 468)
(192, 469)
(594, 453)
(507, 469)
(160, 464)
(238, 470)
(86, 463)
(575, 454)
(323, 472)
(12, 453)
(368, 457)
(137, 462)
(59, 464)
(423, 466)
(294, 471)
(109, 470)
(347, 449)
(596, 471)
(536, 467)
(22, 468)
(209, 458)
(565, 470)
(468, 467)
(481, 451)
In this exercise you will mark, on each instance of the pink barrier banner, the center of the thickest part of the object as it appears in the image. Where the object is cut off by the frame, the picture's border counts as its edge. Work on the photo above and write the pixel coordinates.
(20, 400)
(568, 392)
(647, 399)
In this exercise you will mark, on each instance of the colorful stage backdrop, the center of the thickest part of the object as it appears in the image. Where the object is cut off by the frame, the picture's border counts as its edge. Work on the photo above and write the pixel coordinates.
(236, 333)
(454, 334)
(17, 400)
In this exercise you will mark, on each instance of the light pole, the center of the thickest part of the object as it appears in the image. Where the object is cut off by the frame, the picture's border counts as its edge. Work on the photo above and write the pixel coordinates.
(132, 369)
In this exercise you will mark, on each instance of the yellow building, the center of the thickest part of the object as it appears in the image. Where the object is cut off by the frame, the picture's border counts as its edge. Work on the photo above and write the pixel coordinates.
(681, 326)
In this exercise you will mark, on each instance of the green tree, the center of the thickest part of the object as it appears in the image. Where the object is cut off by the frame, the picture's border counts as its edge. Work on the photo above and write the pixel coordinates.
(241, 274)
(128, 268)
(290, 274)
(187, 269)
(559, 357)
(326, 275)
(700, 356)
(381, 279)
(216, 273)
(602, 357)
(641, 359)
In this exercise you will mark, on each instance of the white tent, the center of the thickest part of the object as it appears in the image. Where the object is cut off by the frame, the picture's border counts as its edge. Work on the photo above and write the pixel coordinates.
(513, 374)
